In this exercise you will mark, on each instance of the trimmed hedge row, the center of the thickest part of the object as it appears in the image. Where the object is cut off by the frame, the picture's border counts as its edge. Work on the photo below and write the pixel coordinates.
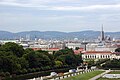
(37, 74)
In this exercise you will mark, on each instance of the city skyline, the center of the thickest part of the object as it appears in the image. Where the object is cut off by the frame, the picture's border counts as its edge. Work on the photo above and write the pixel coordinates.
(59, 15)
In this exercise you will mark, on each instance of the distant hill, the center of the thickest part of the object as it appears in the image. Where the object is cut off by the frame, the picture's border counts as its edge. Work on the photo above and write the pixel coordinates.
(6, 35)
(56, 35)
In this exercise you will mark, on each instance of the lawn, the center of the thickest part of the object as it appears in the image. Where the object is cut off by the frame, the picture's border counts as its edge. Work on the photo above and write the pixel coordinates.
(84, 76)
(113, 72)
(107, 79)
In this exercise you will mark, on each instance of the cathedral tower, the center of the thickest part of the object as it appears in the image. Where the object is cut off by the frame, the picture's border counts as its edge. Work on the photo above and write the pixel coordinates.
(102, 34)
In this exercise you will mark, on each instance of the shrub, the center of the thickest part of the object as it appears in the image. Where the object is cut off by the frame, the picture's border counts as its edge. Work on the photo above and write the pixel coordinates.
(37, 69)
(29, 70)
(33, 70)
(47, 67)
(24, 71)
(2, 74)
(58, 63)
(7, 74)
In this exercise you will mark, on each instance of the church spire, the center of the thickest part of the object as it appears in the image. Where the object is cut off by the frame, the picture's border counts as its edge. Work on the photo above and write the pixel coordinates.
(102, 34)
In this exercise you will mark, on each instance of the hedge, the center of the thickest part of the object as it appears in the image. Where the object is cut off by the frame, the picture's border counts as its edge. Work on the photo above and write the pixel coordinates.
(37, 74)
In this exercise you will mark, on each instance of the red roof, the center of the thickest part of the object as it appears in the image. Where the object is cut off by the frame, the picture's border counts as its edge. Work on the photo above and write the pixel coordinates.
(78, 51)
(50, 49)
(97, 52)
(53, 49)
(118, 45)
(36, 49)
(116, 52)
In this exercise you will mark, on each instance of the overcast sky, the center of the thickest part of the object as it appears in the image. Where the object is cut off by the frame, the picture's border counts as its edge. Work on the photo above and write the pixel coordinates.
(59, 15)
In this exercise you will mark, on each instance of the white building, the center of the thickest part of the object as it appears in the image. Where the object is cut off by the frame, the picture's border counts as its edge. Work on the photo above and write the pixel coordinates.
(100, 55)
(73, 45)
(6, 41)
(100, 47)
(96, 55)
(39, 46)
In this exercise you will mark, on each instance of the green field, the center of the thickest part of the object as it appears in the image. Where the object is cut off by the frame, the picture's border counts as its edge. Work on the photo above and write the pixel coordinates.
(113, 72)
(107, 79)
(84, 76)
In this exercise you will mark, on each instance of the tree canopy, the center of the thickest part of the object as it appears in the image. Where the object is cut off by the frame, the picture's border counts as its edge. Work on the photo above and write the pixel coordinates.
(15, 60)
(117, 50)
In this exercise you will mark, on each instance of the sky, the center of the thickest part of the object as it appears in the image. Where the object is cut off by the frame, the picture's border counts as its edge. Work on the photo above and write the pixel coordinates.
(59, 15)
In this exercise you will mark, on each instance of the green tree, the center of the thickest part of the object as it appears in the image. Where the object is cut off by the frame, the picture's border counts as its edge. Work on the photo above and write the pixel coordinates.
(23, 62)
(43, 60)
(9, 64)
(31, 57)
(115, 63)
(70, 59)
(48, 57)
(57, 54)
(67, 56)
(117, 50)
(61, 58)
(14, 48)
(76, 48)
(79, 59)
(58, 63)
(28, 50)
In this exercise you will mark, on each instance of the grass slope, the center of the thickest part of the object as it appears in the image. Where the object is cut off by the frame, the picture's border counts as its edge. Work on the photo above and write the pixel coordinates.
(107, 79)
(84, 76)
(113, 72)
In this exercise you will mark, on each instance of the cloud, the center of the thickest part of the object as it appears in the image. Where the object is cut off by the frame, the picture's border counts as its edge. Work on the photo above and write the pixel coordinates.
(92, 7)
(59, 14)
(20, 4)
(40, 5)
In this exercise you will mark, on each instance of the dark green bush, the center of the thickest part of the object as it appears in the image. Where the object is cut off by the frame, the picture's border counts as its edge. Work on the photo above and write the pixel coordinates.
(7, 74)
(2, 74)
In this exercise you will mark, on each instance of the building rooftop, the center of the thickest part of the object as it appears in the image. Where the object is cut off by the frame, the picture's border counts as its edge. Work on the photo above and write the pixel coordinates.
(97, 52)
(78, 51)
